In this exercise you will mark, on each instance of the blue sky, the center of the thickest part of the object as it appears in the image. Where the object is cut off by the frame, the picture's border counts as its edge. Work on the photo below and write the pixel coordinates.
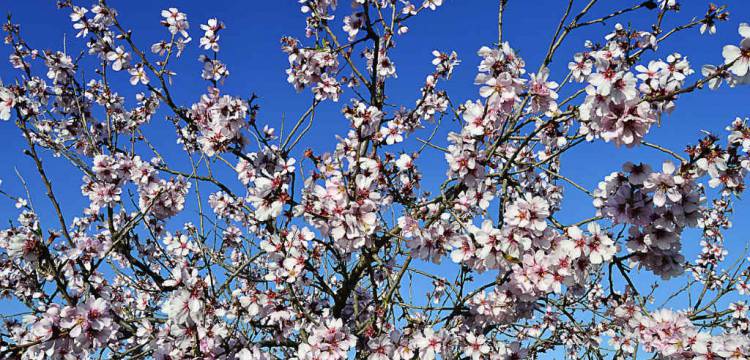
(251, 49)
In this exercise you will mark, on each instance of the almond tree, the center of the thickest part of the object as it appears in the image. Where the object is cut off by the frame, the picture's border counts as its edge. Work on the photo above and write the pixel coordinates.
(312, 253)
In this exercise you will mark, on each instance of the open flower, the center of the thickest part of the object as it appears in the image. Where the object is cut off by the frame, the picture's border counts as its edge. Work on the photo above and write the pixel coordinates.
(7, 102)
(739, 57)
(120, 58)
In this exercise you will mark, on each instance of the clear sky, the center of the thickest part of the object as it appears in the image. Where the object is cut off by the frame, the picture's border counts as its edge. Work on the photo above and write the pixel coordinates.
(250, 47)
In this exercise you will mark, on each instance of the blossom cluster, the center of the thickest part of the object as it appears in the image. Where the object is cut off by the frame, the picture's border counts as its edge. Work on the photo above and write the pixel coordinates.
(658, 206)
(157, 197)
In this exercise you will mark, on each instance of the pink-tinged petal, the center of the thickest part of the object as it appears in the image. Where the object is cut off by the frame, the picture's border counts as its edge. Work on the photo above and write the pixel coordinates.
(660, 198)
(674, 195)
(76, 331)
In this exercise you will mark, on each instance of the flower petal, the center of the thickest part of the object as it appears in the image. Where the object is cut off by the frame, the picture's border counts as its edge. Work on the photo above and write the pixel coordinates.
(730, 53)
(745, 30)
